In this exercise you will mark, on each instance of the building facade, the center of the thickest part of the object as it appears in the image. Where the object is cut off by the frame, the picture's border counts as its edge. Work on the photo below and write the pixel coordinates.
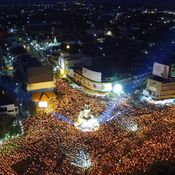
(103, 87)
(9, 109)
(160, 90)
(40, 79)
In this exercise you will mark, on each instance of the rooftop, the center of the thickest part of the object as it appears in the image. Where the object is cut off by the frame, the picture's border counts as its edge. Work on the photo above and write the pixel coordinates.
(40, 74)
(163, 80)
(5, 98)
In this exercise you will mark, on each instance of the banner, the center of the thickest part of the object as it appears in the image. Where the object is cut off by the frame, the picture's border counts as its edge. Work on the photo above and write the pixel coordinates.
(161, 70)
(92, 75)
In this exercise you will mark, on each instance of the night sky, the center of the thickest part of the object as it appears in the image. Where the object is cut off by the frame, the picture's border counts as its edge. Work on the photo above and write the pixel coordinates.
(161, 3)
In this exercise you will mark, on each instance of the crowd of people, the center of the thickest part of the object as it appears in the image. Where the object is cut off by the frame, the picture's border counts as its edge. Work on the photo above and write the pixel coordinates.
(71, 101)
(49, 146)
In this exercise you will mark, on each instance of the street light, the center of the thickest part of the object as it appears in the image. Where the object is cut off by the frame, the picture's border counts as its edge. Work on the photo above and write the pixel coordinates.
(68, 47)
(118, 89)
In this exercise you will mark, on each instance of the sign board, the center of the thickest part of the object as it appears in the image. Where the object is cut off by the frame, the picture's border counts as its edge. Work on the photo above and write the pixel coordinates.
(92, 75)
(161, 70)
(172, 71)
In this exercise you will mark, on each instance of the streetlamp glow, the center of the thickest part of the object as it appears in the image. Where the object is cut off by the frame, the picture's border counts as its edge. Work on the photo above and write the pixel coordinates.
(68, 47)
(118, 89)
(109, 33)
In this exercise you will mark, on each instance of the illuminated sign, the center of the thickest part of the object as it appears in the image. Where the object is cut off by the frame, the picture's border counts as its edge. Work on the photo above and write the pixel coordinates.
(43, 104)
(161, 70)
(92, 75)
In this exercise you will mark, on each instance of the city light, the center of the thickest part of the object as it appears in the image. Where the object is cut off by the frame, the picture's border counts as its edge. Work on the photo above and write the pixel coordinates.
(87, 89)
(109, 33)
(68, 47)
(43, 104)
(118, 89)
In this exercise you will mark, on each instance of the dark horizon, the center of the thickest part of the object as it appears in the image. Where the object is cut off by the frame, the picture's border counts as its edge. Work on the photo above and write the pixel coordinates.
(168, 4)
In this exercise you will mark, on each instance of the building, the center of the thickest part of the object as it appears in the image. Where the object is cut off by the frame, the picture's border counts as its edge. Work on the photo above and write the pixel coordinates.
(42, 98)
(160, 89)
(162, 83)
(40, 79)
(90, 80)
(67, 60)
(41, 85)
(103, 78)
(90, 84)
(7, 104)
